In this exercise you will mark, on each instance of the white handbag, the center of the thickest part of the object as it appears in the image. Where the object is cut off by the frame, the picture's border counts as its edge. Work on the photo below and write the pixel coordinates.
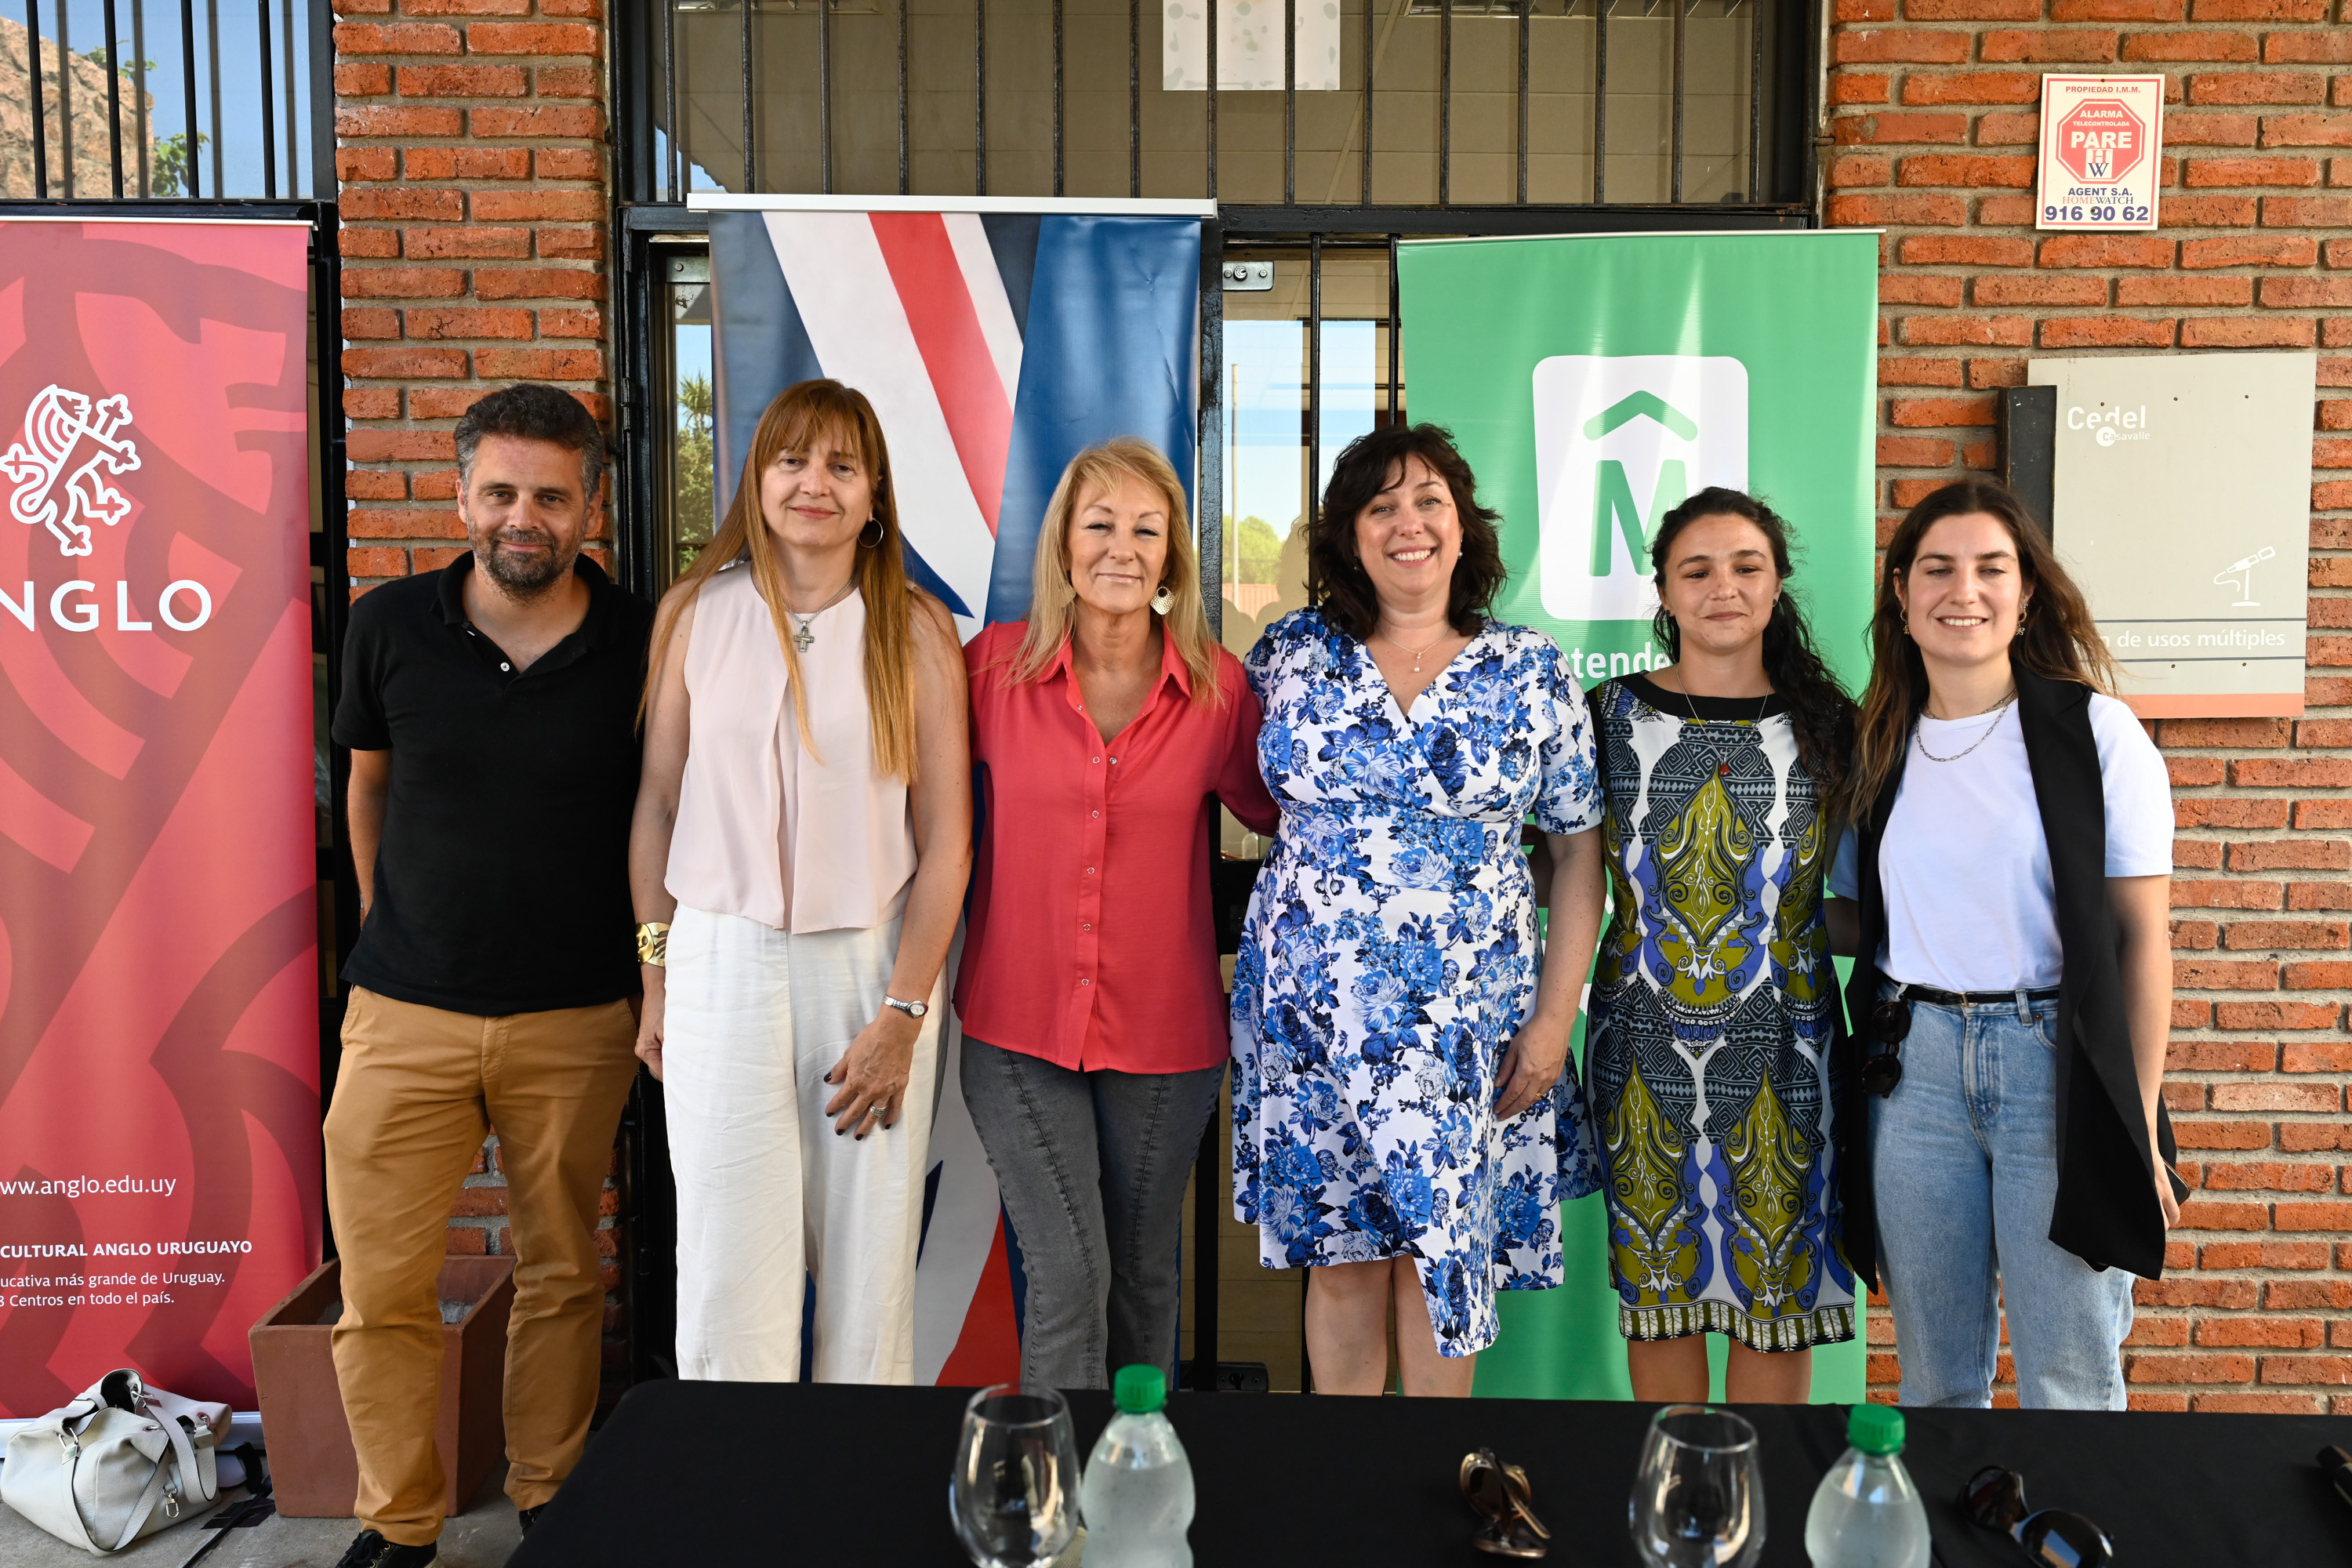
(123, 1461)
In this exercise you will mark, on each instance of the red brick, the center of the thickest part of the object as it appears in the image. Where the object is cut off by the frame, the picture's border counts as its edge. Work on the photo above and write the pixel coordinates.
(1915, 330)
(399, 445)
(2315, 1055)
(2309, 1137)
(1989, 372)
(576, 162)
(1914, 452)
(355, 164)
(2307, 1295)
(2202, 1212)
(1964, 250)
(2106, 250)
(399, 121)
(2242, 333)
(2229, 1294)
(401, 364)
(2004, 211)
(2114, 10)
(2211, 130)
(537, 122)
(2191, 1015)
(397, 38)
(2007, 45)
(2281, 1333)
(1998, 127)
(361, 80)
(2263, 1255)
(2270, 1176)
(1977, 87)
(2196, 853)
(2107, 331)
(2307, 1369)
(466, 7)
(2307, 294)
(2195, 895)
(2195, 936)
(1852, 86)
(2249, 251)
(1933, 411)
(2206, 212)
(2254, 87)
(442, 402)
(1973, 10)
(439, 485)
(406, 523)
(470, 243)
(2223, 974)
(463, 81)
(2188, 772)
(367, 244)
(1875, 46)
(568, 81)
(2188, 46)
(401, 282)
(566, 324)
(571, 244)
(1851, 170)
(1919, 289)
(2307, 130)
(2260, 1404)
(372, 403)
(2331, 47)
(1877, 212)
(2175, 291)
(2182, 1056)
(2319, 895)
(2208, 172)
(2271, 1016)
(2261, 10)
(375, 484)
(2172, 1333)
(2187, 1368)
(537, 283)
(1968, 170)
(2323, 814)
(463, 323)
(1865, 11)
(2172, 1403)
(1919, 373)
(524, 206)
(2228, 811)
(433, 560)
(541, 364)
(375, 561)
(534, 38)
(395, 205)
(1894, 127)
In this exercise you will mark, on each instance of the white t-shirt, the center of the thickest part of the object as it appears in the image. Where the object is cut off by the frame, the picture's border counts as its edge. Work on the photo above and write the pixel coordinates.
(1965, 868)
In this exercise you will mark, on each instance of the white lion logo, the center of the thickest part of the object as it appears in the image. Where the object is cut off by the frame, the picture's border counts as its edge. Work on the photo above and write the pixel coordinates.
(58, 425)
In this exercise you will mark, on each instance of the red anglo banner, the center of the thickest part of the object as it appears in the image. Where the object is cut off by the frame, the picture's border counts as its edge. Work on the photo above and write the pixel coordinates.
(159, 1082)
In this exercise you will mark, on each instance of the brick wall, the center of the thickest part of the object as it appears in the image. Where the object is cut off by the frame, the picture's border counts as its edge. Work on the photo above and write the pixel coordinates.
(470, 147)
(1933, 106)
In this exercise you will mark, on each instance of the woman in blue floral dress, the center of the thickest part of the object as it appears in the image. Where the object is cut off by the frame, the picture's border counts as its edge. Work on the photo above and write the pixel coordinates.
(1406, 1119)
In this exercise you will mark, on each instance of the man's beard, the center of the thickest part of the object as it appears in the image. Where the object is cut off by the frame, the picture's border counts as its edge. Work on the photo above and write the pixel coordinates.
(524, 576)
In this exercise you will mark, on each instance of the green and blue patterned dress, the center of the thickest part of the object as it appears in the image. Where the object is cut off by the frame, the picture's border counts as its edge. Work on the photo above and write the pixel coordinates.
(1711, 1023)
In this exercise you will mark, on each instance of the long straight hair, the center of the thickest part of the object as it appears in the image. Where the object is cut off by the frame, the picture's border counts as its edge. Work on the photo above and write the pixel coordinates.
(2057, 637)
(1819, 710)
(819, 418)
(1053, 600)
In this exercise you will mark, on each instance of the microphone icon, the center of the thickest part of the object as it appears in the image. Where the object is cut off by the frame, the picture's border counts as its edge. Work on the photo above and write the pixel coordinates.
(2240, 575)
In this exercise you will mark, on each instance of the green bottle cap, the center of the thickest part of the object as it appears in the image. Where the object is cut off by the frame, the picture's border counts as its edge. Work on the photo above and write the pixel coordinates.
(1875, 1429)
(1140, 1390)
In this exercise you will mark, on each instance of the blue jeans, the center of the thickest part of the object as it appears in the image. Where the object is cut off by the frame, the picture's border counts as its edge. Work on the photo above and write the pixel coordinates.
(1965, 1162)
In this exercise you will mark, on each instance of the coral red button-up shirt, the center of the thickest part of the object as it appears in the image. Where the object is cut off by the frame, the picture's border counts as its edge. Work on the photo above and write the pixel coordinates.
(1090, 941)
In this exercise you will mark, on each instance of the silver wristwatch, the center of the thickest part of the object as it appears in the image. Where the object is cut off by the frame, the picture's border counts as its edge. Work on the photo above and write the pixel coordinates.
(912, 1009)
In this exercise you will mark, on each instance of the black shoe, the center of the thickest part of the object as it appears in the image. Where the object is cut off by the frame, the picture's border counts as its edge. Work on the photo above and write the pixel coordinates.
(528, 1517)
(373, 1551)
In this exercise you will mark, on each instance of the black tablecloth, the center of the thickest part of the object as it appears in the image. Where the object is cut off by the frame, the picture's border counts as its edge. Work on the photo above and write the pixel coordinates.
(783, 1473)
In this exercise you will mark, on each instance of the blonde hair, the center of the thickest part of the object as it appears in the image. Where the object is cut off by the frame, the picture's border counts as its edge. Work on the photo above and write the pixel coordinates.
(801, 418)
(1053, 601)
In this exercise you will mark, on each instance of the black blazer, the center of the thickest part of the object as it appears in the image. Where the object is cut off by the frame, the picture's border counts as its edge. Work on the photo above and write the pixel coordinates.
(2107, 1213)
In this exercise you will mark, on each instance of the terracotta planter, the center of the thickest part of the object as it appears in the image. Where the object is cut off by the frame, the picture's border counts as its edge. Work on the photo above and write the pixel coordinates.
(310, 1444)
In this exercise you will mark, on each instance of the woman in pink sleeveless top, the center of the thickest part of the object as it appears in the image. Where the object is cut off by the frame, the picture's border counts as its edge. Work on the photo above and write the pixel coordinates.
(799, 853)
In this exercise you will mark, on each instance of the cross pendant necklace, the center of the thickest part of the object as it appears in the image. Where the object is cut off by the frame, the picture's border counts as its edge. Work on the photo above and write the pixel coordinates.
(802, 636)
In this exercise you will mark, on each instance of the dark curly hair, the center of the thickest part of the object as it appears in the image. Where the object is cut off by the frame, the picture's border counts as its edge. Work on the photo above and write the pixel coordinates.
(1819, 709)
(1336, 579)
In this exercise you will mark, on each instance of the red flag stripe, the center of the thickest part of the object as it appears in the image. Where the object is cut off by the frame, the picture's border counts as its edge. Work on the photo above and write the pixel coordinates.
(937, 303)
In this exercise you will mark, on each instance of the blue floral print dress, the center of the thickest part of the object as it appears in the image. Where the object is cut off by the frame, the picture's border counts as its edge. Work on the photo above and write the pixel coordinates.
(1388, 957)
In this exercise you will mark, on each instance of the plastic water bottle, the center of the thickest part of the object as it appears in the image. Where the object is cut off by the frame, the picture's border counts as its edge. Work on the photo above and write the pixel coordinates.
(1138, 1492)
(1866, 1513)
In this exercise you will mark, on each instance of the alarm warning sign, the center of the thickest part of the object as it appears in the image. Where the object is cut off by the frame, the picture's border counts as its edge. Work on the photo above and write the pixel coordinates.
(2100, 141)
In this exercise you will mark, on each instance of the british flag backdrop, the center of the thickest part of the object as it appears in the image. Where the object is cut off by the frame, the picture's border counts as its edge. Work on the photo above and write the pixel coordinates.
(995, 345)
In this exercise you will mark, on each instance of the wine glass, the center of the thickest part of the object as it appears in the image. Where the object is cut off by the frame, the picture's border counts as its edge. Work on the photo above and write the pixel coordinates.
(1014, 1492)
(1698, 1498)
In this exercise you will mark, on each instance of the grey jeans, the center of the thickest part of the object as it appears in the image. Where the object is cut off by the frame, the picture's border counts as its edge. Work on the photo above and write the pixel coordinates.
(1092, 1166)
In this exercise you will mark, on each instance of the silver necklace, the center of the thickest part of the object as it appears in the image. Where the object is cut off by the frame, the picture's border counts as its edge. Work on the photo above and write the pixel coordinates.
(1921, 741)
(1422, 654)
(803, 637)
(1722, 768)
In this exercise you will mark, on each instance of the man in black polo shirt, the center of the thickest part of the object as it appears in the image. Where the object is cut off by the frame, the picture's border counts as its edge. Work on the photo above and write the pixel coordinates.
(490, 710)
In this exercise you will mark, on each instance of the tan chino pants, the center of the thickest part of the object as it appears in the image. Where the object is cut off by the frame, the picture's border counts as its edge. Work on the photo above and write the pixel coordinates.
(418, 1090)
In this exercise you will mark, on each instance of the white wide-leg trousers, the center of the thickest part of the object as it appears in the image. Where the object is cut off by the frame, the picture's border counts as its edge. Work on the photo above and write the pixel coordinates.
(768, 1194)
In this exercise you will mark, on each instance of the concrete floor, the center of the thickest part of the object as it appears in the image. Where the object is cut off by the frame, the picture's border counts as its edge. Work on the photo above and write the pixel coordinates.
(482, 1537)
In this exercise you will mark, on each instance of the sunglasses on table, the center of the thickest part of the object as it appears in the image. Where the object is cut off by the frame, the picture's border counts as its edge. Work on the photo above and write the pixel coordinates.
(1994, 1499)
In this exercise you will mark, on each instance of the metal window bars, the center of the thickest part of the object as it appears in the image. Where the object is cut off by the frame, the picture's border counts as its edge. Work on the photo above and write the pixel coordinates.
(1656, 161)
(278, 74)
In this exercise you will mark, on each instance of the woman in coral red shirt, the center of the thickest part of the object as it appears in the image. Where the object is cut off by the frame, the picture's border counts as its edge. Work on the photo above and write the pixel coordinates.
(1107, 727)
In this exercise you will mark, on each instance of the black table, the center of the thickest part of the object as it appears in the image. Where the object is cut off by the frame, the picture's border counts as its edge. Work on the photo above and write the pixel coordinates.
(787, 1474)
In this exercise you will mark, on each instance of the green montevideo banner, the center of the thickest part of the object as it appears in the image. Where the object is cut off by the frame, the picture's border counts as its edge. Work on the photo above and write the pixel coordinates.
(1593, 383)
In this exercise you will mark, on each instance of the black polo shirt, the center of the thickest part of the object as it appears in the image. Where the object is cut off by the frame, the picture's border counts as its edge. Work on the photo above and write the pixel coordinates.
(502, 879)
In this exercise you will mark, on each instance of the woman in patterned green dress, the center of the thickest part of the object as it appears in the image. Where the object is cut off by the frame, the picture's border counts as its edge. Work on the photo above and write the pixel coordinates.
(1713, 1008)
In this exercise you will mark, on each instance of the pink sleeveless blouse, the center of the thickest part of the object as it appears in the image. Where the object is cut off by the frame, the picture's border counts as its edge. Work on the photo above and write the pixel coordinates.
(766, 829)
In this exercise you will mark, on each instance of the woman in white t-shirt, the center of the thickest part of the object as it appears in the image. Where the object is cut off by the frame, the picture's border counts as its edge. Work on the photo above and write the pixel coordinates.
(2008, 878)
